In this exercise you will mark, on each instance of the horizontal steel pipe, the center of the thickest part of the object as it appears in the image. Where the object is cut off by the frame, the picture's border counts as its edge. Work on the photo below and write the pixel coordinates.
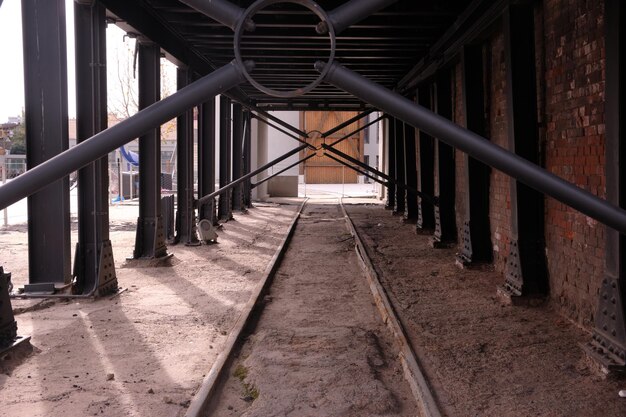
(347, 123)
(476, 146)
(378, 119)
(250, 175)
(351, 12)
(221, 11)
(112, 138)
(283, 170)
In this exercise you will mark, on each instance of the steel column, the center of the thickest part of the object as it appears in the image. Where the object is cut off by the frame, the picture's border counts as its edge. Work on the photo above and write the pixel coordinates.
(445, 216)
(104, 142)
(391, 162)
(94, 267)
(410, 174)
(185, 213)
(425, 166)
(150, 238)
(476, 240)
(206, 159)
(608, 345)
(224, 208)
(526, 272)
(238, 140)
(45, 79)
(479, 147)
(398, 177)
(247, 158)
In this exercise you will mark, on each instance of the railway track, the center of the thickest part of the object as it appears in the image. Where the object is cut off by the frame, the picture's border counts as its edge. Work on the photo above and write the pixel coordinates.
(310, 341)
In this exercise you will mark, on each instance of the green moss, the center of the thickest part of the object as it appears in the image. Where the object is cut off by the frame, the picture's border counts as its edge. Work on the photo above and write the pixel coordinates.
(241, 372)
(250, 392)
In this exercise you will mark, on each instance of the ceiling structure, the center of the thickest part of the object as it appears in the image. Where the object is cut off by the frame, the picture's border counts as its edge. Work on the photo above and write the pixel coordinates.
(386, 47)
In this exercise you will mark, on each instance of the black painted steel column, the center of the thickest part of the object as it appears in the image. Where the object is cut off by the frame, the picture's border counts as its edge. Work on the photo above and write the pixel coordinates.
(608, 346)
(425, 167)
(410, 173)
(445, 216)
(238, 139)
(476, 240)
(94, 264)
(391, 162)
(206, 159)
(185, 213)
(247, 158)
(526, 268)
(150, 239)
(398, 127)
(45, 79)
(224, 208)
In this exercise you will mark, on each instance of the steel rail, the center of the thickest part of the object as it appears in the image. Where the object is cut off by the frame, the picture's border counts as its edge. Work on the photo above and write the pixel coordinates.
(282, 170)
(476, 146)
(351, 12)
(412, 370)
(378, 119)
(347, 122)
(201, 400)
(112, 138)
(250, 175)
(281, 130)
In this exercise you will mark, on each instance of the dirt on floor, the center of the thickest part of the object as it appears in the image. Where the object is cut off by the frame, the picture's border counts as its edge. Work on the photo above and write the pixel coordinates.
(319, 348)
(482, 358)
(145, 351)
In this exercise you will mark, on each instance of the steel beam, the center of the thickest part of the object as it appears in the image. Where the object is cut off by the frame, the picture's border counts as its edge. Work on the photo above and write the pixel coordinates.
(230, 185)
(608, 345)
(410, 174)
(351, 12)
(94, 266)
(425, 165)
(222, 11)
(445, 168)
(526, 271)
(247, 158)
(206, 159)
(45, 80)
(347, 123)
(150, 238)
(391, 162)
(306, 158)
(477, 146)
(224, 207)
(185, 214)
(125, 131)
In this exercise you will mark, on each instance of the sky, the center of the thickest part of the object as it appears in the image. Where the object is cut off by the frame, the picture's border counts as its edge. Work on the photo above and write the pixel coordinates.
(119, 53)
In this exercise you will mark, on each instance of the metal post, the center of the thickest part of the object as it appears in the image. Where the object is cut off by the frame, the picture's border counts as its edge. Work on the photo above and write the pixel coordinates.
(425, 166)
(206, 159)
(247, 158)
(4, 181)
(400, 199)
(477, 146)
(185, 213)
(94, 263)
(238, 139)
(445, 217)
(150, 238)
(526, 271)
(106, 141)
(224, 209)
(45, 79)
(390, 135)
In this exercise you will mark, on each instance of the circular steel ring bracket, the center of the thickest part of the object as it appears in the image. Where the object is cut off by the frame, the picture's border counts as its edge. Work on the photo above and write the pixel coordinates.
(242, 27)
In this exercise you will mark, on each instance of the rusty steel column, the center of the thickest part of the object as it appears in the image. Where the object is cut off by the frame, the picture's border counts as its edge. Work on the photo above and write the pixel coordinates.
(425, 167)
(398, 177)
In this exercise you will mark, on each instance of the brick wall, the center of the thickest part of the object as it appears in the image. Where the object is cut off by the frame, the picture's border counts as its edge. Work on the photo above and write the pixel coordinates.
(499, 193)
(574, 94)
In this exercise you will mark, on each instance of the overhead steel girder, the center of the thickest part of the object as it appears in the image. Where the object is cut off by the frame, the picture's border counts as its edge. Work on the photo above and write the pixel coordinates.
(476, 146)
(106, 141)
